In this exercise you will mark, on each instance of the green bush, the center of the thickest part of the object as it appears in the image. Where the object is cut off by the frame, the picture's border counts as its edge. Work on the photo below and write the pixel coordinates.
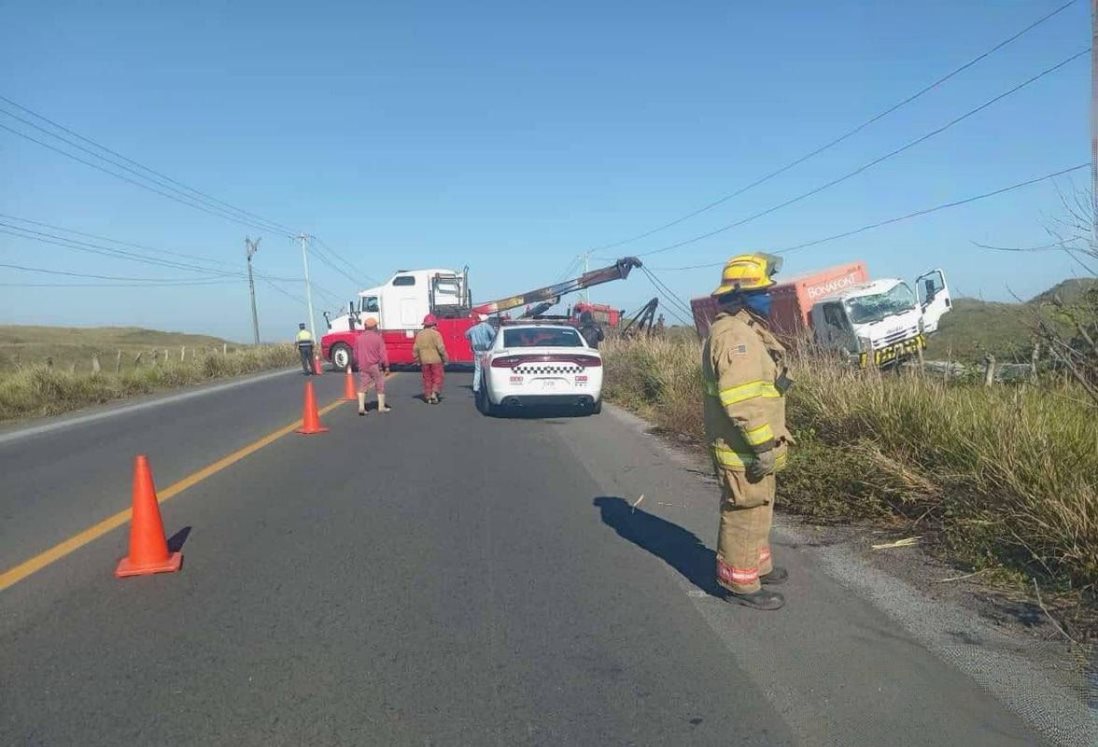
(41, 390)
(1005, 475)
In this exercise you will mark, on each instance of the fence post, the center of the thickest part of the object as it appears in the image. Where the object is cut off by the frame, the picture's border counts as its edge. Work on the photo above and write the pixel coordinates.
(137, 360)
(224, 348)
(95, 364)
(182, 353)
(1033, 360)
(989, 369)
(72, 367)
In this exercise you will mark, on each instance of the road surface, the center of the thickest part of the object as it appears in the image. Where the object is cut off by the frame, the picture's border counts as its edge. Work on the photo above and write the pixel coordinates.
(428, 576)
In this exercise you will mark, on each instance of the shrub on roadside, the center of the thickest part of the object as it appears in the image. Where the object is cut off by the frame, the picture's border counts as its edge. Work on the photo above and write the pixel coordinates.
(41, 390)
(1005, 475)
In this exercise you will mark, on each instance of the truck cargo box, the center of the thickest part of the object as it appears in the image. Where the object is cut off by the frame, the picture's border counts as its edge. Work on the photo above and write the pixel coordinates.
(792, 299)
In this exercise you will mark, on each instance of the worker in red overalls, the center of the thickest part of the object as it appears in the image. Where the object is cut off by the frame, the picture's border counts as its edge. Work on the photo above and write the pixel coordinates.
(429, 352)
(373, 363)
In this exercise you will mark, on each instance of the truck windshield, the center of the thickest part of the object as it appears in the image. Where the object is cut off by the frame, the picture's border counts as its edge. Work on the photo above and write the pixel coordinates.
(866, 309)
(533, 337)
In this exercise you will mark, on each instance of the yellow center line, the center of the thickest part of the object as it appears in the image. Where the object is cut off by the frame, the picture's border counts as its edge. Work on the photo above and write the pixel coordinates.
(38, 562)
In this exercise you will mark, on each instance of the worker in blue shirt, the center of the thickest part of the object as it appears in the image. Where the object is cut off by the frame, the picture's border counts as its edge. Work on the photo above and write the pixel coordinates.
(480, 337)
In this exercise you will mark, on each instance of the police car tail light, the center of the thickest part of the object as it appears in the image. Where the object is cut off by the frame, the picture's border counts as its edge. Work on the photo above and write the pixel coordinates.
(586, 361)
(507, 361)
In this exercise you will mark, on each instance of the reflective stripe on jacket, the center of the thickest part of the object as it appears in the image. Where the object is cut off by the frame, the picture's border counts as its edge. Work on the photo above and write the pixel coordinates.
(744, 411)
(304, 338)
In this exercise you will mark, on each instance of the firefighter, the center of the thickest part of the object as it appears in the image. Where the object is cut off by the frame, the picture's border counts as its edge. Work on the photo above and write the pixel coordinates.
(429, 352)
(305, 348)
(745, 427)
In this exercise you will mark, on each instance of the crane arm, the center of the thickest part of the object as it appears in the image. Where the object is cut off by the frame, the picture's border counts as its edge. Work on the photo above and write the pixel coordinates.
(617, 271)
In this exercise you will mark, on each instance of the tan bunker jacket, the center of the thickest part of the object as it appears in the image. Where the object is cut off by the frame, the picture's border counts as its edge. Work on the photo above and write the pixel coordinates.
(745, 383)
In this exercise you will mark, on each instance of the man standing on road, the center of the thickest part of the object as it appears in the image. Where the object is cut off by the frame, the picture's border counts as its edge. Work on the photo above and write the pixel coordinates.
(591, 330)
(745, 427)
(429, 352)
(480, 337)
(373, 363)
(305, 348)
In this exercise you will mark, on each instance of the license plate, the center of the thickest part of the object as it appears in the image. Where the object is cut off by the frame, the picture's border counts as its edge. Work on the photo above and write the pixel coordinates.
(892, 352)
(548, 384)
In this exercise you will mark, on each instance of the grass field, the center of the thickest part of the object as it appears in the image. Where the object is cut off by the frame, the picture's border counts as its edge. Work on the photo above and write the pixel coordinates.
(29, 346)
(1002, 477)
(49, 370)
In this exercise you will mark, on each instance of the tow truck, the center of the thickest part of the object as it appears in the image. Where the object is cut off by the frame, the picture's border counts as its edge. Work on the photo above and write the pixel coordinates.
(400, 305)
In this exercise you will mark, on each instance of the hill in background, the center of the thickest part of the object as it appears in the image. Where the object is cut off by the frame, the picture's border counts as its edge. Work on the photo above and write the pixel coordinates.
(975, 328)
(29, 345)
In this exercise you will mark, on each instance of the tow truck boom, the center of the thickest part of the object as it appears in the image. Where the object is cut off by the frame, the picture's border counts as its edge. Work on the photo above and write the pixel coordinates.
(617, 271)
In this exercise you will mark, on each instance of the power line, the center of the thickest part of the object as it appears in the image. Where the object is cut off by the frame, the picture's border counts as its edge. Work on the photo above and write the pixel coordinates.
(874, 162)
(351, 266)
(207, 198)
(898, 219)
(136, 183)
(115, 285)
(83, 246)
(149, 281)
(848, 134)
(98, 237)
(670, 298)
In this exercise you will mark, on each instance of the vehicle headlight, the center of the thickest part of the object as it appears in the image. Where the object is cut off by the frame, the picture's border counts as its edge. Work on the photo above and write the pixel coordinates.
(865, 345)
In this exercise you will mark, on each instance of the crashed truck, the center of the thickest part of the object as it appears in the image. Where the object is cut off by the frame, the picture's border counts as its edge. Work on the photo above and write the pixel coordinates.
(873, 323)
(400, 305)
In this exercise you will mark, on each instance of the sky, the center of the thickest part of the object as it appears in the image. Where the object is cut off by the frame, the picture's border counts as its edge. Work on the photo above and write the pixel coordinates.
(514, 137)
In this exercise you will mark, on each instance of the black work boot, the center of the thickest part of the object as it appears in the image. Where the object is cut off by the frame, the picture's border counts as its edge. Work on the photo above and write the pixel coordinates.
(759, 600)
(777, 576)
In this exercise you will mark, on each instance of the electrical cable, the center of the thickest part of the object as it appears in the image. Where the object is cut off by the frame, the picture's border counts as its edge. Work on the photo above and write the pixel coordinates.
(350, 266)
(203, 195)
(848, 134)
(47, 271)
(898, 219)
(869, 164)
(124, 178)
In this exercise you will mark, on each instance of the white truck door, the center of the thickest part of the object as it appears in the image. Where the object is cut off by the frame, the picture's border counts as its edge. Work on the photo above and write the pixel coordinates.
(934, 299)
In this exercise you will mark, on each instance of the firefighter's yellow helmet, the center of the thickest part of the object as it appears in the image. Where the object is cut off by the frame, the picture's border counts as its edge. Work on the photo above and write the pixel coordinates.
(748, 272)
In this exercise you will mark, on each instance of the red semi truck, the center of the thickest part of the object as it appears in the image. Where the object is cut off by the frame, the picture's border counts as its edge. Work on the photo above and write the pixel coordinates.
(875, 322)
(400, 305)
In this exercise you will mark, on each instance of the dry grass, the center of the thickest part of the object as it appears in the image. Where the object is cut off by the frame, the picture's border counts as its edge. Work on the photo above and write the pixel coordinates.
(1005, 476)
(37, 390)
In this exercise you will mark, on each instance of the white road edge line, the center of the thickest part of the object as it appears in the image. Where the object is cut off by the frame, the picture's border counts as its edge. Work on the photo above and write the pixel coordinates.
(158, 401)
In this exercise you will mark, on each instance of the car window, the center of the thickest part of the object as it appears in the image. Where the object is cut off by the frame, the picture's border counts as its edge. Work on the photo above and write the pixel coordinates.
(403, 280)
(534, 337)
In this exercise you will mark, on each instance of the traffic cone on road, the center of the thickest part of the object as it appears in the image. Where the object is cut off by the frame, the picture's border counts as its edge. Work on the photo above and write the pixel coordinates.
(310, 419)
(349, 392)
(148, 546)
(317, 370)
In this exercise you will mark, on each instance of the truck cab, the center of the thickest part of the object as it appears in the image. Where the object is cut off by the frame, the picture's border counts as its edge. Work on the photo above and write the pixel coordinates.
(882, 321)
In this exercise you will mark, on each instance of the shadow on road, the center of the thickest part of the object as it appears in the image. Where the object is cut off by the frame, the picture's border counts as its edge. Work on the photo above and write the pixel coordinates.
(177, 540)
(679, 548)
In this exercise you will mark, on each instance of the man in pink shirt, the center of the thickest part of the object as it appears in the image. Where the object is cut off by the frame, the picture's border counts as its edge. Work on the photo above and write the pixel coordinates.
(373, 363)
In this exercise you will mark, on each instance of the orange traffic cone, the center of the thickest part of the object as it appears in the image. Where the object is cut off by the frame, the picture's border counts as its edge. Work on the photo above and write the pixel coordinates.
(349, 392)
(148, 546)
(317, 370)
(310, 420)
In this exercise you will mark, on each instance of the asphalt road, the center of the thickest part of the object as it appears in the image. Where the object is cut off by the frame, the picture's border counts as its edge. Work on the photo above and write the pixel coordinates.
(428, 576)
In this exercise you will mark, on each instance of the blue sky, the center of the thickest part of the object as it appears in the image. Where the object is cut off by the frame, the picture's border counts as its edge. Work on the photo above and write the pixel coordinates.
(513, 136)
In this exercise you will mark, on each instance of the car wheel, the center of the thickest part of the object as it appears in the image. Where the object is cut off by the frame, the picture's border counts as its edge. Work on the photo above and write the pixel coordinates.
(341, 356)
(597, 407)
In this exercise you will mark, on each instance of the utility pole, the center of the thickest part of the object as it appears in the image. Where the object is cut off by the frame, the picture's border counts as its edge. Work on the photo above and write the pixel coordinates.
(1094, 126)
(304, 239)
(250, 248)
(587, 267)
